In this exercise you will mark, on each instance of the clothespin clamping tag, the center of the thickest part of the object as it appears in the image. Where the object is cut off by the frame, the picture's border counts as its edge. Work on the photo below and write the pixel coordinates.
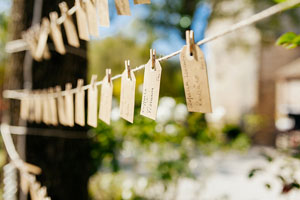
(42, 192)
(195, 78)
(29, 37)
(82, 21)
(69, 25)
(79, 104)
(152, 77)
(142, 1)
(127, 98)
(69, 105)
(42, 49)
(106, 98)
(92, 103)
(55, 33)
(92, 18)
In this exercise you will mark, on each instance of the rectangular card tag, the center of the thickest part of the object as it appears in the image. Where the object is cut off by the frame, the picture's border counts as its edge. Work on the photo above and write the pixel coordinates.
(53, 108)
(106, 98)
(24, 108)
(142, 1)
(127, 99)
(37, 107)
(82, 22)
(92, 103)
(103, 12)
(79, 104)
(195, 80)
(56, 34)
(31, 116)
(46, 119)
(43, 37)
(151, 89)
(69, 105)
(92, 18)
(123, 7)
(61, 108)
(69, 25)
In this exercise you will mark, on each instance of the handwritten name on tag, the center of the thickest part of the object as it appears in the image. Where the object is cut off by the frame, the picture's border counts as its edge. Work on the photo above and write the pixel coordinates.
(69, 105)
(92, 18)
(128, 83)
(103, 12)
(106, 99)
(123, 7)
(69, 25)
(55, 34)
(142, 1)
(79, 104)
(195, 80)
(151, 89)
(82, 21)
(92, 103)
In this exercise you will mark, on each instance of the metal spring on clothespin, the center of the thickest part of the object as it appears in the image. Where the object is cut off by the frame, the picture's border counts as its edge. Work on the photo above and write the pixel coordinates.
(153, 57)
(190, 41)
(127, 66)
(108, 74)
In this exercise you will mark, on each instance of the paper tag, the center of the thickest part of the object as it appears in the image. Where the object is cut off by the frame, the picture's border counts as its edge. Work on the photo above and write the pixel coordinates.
(37, 108)
(82, 22)
(92, 18)
(142, 1)
(123, 7)
(151, 90)
(127, 96)
(69, 25)
(55, 34)
(195, 80)
(24, 108)
(79, 104)
(106, 100)
(103, 12)
(69, 105)
(31, 116)
(92, 103)
(45, 102)
(61, 108)
(53, 108)
(43, 37)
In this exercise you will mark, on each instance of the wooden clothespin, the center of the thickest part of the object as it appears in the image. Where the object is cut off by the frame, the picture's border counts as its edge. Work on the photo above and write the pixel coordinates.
(42, 192)
(108, 74)
(42, 38)
(153, 57)
(190, 41)
(56, 33)
(127, 66)
(93, 81)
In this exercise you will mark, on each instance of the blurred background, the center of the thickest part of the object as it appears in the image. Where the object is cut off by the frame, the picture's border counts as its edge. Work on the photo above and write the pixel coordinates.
(248, 148)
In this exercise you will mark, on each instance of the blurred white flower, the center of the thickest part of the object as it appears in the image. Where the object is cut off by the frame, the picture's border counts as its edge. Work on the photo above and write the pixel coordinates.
(164, 112)
(115, 114)
(180, 112)
(170, 129)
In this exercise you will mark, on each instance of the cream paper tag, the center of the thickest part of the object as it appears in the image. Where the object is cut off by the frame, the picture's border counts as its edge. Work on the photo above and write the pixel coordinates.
(142, 1)
(69, 105)
(103, 12)
(106, 98)
(46, 119)
(123, 7)
(53, 108)
(61, 108)
(79, 104)
(92, 18)
(151, 89)
(195, 80)
(37, 107)
(24, 108)
(82, 22)
(42, 40)
(92, 103)
(127, 99)
(69, 25)
(55, 33)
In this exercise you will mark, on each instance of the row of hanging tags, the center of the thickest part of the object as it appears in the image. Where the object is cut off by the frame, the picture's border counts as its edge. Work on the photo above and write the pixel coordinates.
(90, 14)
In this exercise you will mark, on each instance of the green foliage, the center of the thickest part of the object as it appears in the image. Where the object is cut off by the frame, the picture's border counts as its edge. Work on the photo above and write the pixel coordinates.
(289, 40)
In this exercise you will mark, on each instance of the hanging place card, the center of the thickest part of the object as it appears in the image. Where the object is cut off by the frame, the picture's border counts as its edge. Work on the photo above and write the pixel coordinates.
(92, 103)
(106, 98)
(69, 25)
(103, 12)
(195, 77)
(127, 99)
(82, 22)
(69, 105)
(79, 104)
(151, 87)
(123, 7)
(53, 108)
(142, 1)
(55, 33)
(43, 37)
(92, 18)
(61, 108)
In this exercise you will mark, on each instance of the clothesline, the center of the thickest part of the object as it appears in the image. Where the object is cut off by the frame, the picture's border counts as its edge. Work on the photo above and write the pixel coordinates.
(20, 94)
